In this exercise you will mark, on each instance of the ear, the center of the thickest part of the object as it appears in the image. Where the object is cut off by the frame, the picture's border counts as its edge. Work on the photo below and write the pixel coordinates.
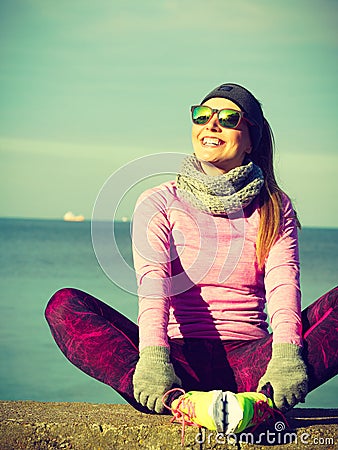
(248, 150)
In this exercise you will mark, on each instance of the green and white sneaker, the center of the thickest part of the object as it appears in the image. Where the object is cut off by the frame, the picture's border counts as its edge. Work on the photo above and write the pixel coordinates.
(224, 412)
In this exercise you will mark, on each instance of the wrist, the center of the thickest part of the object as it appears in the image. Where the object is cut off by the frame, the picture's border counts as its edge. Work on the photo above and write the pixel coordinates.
(156, 353)
(286, 350)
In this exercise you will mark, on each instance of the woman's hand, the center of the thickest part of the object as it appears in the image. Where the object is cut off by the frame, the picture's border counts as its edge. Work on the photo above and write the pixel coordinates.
(153, 377)
(286, 373)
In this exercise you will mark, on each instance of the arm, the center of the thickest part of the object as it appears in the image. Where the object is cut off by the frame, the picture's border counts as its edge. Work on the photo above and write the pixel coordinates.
(151, 252)
(286, 371)
(282, 285)
(154, 374)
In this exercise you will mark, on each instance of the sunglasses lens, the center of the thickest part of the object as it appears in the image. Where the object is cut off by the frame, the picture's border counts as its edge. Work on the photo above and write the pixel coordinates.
(229, 118)
(201, 114)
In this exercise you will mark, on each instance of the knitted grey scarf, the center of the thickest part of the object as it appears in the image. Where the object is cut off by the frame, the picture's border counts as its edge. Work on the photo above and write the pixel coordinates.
(220, 194)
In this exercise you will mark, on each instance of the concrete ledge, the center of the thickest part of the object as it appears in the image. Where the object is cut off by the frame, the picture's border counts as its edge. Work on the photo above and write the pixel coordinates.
(83, 426)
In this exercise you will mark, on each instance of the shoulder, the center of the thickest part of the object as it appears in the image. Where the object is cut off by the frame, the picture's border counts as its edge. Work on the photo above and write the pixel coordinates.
(165, 190)
(160, 196)
(286, 204)
(288, 213)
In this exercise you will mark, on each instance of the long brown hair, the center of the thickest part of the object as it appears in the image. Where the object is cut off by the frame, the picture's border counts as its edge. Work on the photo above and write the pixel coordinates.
(270, 196)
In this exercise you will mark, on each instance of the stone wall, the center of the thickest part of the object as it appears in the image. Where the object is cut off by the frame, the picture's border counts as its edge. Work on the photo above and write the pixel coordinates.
(82, 426)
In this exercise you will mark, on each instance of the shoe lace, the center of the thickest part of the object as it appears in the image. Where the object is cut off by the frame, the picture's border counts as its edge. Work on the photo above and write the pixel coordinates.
(183, 417)
(263, 411)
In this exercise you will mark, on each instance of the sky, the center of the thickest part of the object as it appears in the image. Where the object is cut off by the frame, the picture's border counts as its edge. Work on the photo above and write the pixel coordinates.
(87, 87)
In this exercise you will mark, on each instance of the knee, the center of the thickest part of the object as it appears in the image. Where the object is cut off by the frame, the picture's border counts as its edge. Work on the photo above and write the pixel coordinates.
(330, 299)
(333, 296)
(58, 303)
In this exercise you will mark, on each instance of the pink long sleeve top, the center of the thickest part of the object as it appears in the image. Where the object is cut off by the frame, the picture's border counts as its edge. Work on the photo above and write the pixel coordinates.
(198, 275)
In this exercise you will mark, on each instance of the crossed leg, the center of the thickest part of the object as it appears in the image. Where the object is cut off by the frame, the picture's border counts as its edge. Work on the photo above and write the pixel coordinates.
(104, 344)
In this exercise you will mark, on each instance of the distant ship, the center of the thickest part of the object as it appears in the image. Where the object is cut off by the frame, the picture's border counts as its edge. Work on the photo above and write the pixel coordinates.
(70, 217)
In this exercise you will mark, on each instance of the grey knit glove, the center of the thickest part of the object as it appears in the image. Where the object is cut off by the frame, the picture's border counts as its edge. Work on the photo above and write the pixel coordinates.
(153, 377)
(286, 373)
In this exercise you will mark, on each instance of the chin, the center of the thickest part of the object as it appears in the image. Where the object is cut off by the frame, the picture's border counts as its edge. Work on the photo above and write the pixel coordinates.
(206, 159)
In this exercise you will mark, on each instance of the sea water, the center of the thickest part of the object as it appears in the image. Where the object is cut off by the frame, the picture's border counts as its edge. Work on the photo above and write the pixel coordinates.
(37, 257)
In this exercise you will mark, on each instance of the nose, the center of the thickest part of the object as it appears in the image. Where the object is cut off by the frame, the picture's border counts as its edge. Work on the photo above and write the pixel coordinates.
(213, 124)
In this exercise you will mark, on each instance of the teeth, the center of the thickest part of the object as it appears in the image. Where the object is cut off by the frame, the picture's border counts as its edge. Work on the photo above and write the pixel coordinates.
(211, 141)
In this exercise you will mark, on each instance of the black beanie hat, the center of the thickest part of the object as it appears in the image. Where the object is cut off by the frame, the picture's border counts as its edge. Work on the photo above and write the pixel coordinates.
(248, 104)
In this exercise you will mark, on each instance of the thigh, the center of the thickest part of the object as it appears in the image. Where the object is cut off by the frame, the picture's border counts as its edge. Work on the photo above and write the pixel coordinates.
(249, 360)
(95, 337)
(320, 325)
(70, 309)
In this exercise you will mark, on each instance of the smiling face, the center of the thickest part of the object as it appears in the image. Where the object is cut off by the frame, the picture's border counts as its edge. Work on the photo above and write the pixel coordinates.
(220, 149)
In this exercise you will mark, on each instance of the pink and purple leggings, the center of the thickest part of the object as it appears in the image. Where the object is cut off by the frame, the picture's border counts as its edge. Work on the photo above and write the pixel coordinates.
(104, 344)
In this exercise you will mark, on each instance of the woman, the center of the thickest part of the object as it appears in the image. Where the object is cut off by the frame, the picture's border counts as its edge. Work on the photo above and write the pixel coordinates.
(211, 249)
